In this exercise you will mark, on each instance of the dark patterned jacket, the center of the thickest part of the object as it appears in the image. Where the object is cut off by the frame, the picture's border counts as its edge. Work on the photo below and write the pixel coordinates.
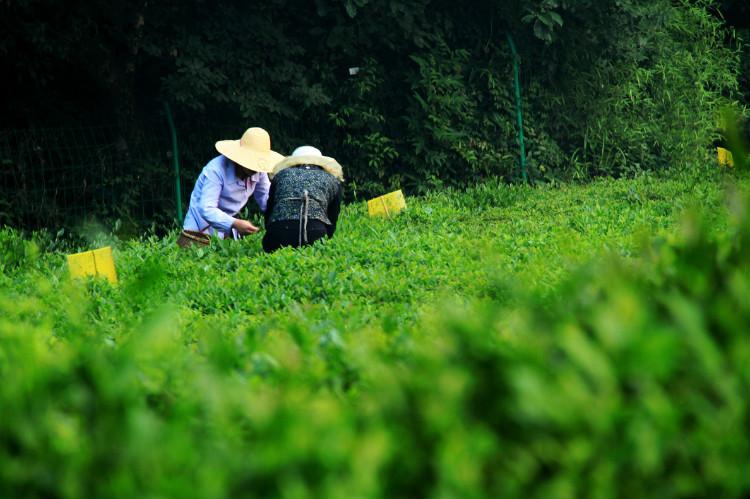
(287, 194)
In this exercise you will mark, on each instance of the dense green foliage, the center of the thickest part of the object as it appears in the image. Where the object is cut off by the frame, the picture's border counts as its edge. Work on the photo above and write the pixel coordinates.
(737, 14)
(610, 87)
(335, 371)
(556, 340)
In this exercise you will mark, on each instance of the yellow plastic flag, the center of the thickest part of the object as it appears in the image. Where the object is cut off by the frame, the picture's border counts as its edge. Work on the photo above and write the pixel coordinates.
(387, 205)
(98, 262)
(725, 156)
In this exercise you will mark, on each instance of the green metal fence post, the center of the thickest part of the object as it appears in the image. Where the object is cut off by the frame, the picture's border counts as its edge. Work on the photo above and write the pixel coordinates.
(176, 161)
(519, 113)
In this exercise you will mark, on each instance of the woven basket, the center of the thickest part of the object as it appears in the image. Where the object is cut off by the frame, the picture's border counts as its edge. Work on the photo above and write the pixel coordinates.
(190, 237)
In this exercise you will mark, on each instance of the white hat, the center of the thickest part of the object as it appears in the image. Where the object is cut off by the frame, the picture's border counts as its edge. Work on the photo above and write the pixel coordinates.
(309, 155)
(307, 151)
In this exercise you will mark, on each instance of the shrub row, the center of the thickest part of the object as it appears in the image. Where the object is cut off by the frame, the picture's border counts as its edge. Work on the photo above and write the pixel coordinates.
(628, 380)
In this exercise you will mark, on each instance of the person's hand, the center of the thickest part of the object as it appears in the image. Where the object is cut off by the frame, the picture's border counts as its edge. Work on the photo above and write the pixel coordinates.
(244, 227)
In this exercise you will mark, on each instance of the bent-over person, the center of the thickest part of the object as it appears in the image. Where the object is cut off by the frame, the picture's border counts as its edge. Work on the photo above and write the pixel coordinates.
(304, 201)
(225, 186)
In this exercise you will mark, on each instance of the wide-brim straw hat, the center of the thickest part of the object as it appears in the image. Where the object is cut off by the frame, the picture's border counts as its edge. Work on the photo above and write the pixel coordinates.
(308, 155)
(252, 151)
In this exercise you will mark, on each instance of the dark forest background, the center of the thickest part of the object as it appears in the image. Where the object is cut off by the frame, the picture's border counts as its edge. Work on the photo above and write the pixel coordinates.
(609, 87)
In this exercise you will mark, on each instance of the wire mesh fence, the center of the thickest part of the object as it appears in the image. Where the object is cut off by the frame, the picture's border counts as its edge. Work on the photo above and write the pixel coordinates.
(58, 177)
(66, 177)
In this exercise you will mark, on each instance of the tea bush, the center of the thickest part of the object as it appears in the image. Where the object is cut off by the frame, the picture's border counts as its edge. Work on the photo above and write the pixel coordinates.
(467, 348)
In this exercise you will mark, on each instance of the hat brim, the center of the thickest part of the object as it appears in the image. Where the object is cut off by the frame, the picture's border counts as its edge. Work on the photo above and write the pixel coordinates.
(328, 164)
(259, 161)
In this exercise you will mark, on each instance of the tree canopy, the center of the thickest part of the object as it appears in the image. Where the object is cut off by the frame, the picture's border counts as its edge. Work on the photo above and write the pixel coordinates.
(609, 87)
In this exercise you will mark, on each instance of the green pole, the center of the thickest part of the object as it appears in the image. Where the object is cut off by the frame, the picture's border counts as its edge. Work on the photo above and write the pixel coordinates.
(176, 161)
(519, 113)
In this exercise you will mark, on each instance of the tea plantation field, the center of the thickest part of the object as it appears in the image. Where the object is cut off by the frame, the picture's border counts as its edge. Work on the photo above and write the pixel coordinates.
(506, 341)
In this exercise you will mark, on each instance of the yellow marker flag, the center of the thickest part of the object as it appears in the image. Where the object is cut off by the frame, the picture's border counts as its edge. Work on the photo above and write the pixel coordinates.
(725, 156)
(387, 205)
(98, 262)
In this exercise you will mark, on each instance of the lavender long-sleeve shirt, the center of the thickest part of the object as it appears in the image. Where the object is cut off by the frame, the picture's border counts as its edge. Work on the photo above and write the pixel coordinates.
(218, 196)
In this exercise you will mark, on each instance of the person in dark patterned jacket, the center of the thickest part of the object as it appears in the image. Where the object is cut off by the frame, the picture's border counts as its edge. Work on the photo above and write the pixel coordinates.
(304, 200)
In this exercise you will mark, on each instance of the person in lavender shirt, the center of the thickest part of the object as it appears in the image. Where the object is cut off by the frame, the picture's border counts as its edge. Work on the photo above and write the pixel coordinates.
(226, 184)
